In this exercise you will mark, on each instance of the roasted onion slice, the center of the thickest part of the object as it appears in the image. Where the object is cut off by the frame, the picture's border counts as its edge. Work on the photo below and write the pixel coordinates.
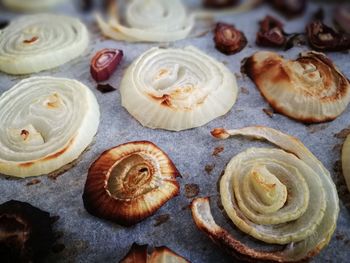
(138, 254)
(346, 161)
(40, 42)
(279, 196)
(310, 89)
(45, 124)
(104, 63)
(177, 89)
(31, 5)
(228, 39)
(148, 21)
(130, 182)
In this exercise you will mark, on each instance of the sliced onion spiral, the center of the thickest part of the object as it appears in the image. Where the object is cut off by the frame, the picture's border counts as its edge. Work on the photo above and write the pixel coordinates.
(149, 21)
(280, 196)
(177, 89)
(45, 123)
(30, 5)
(35, 43)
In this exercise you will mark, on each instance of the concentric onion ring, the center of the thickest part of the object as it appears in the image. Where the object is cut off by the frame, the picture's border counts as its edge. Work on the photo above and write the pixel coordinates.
(309, 89)
(149, 21)
(346, 161)
(30, 5)
(277, 196)
(39, 42)
(130, 182)
(45, 123)
(177, 89)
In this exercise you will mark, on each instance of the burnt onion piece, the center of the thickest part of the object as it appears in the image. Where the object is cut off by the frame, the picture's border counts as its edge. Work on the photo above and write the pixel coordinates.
(218, 4)
(130, 182)
(310, 89)
(290, 8)
(104, 63)
(138, 254)
(271, 33)
(342, 17)
(25, 232)
(228, 39)
(324, 38)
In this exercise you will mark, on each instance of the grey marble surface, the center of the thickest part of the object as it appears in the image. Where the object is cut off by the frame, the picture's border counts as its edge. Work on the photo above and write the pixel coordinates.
(89, 239)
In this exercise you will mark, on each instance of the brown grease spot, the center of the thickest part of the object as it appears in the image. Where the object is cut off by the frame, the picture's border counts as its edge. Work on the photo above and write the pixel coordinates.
(218, 150)
(33, 182)
(209, 168)
(191, 190)
(161, 219)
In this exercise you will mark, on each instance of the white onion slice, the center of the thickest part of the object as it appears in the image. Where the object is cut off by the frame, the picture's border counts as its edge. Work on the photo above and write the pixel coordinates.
(31, 5)
(45, 123)
(149, 21)
(346, 161)
(254, 179)
(33, 43)
(177, 89)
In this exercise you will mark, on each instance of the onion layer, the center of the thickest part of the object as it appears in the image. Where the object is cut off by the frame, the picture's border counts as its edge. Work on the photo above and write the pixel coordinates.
(30, 5)
(177, 89)
(277, 196)
(45, 123)
(149, 21)
(346, 161)
(39, 42)
(309, 89)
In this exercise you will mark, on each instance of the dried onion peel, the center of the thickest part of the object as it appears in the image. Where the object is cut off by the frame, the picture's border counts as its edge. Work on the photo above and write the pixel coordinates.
(254, 190)
(177, 89)
(35, 43)
(30, 5)
(138, 254)
(346, 161)
(130, 182)
(45, 124)
(148, 21)
(310, 89)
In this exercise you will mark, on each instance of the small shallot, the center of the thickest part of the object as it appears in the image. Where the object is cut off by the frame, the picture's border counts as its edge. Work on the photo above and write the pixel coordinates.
(228, 39)
(104, 63)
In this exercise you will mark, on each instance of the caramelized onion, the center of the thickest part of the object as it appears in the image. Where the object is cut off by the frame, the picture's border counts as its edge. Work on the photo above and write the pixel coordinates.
(346, 161)
(138, 254)
(271, 33)
(130, 182)
(104, 63)
(25, 232)
(310, 89)
(324, 38)
(280, 196)
(228, 39)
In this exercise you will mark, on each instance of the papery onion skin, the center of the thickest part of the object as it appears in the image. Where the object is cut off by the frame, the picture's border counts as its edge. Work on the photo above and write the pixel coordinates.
(137, 196)
(138, 254)
(69, 118)
(342, 17)
(294, 252)
(188, 92)
(25, 232)
(324, 38)
(310, 97)
(104, 63)
(228, 39)
(271, 33)
(346, 161)
(34, 43)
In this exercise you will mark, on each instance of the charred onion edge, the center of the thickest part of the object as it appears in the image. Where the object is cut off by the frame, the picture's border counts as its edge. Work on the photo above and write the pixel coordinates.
(248, 68)
(95, 190)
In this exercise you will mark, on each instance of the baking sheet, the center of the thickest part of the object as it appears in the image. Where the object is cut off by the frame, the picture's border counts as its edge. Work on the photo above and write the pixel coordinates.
(89, 239)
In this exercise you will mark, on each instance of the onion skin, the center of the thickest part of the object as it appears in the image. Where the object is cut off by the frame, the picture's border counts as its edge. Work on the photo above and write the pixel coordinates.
(104, 63)
(324, 38)
(25, 232)
(271, 33)
(228, 39)
(139, 196)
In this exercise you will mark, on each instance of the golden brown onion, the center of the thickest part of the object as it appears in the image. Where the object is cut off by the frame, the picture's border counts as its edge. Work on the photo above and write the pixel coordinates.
(138, 254)
(309, 89)
(130, 182)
